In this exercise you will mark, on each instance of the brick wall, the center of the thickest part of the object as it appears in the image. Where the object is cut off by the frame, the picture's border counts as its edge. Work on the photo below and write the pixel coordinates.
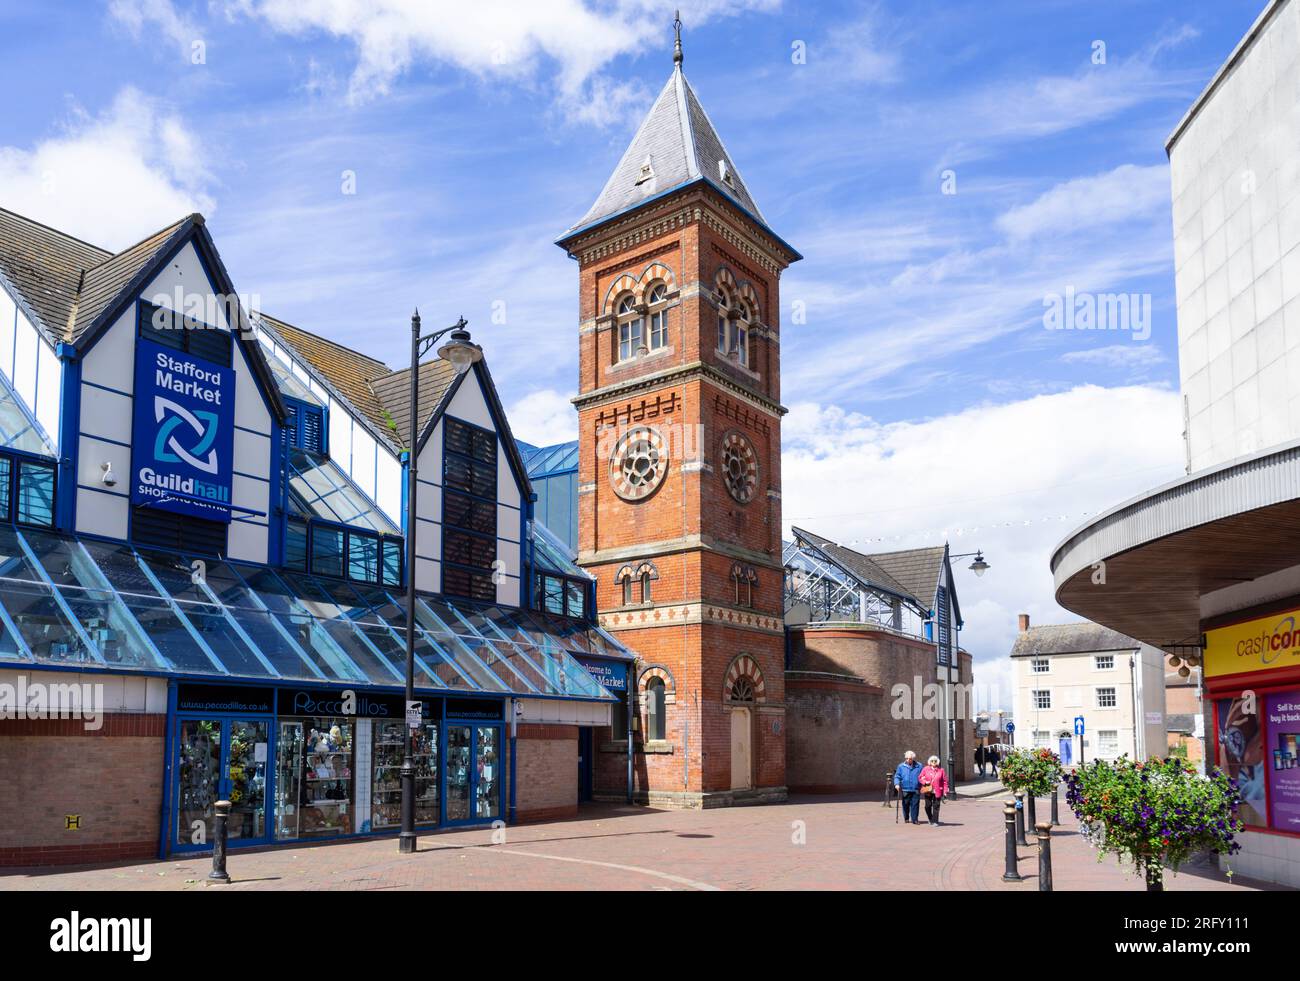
(112, 778)
(546, 771)
(842, 733)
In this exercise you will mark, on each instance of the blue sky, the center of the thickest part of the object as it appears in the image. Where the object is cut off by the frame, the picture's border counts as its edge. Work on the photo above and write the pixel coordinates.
(923, 378)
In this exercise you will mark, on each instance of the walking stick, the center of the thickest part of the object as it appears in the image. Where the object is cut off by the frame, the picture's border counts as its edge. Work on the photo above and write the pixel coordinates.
(898, 796)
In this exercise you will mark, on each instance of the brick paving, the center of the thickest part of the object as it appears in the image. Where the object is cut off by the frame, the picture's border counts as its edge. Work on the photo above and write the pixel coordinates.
(849, 843)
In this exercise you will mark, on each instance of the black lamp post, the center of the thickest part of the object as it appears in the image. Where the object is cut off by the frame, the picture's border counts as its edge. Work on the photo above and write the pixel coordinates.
(979, 567)
(462, 353)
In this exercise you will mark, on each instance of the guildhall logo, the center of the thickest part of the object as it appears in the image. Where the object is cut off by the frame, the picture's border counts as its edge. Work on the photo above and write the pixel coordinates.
(167, 449)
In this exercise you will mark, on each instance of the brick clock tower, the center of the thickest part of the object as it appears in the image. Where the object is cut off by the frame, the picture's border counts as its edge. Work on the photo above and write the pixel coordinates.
(679, 490)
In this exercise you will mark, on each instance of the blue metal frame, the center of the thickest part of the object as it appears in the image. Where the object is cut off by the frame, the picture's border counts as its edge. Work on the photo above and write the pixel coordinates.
(473, 725)
(174, 722)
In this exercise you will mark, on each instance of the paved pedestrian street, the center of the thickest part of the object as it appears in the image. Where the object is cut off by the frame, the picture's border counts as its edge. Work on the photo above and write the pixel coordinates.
(806, 843)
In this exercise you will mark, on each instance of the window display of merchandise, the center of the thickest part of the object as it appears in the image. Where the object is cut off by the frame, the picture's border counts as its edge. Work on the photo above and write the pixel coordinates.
(200, 773)
(387, 750)
(315, 791)
(486, 798)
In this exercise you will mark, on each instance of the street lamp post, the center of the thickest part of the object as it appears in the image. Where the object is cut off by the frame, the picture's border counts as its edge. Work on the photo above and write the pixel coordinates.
(462, 353)
(979, 567)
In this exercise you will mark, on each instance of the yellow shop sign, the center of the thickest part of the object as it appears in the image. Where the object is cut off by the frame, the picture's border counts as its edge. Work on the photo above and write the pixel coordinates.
(1256, 645)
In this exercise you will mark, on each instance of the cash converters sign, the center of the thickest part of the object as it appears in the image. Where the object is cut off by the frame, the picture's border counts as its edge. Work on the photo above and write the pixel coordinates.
(1256, 645)
(184, 433)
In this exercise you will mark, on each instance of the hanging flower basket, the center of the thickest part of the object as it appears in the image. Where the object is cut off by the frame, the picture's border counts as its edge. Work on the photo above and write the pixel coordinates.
(1156, 814)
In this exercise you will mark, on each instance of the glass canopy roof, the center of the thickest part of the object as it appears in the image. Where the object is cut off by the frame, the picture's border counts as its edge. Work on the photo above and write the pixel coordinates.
(17, 432)
(318, 488)
(552, 555)
(95, 605)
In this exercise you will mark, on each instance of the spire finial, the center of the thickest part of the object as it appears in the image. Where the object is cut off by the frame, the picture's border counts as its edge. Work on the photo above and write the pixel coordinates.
(677, 45)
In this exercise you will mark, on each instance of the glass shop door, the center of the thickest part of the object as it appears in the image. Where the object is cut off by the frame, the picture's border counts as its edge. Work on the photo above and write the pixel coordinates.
(473, 773)
(221, 759)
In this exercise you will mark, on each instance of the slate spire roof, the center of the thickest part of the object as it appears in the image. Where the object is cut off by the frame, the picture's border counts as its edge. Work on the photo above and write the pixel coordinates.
(676, 145)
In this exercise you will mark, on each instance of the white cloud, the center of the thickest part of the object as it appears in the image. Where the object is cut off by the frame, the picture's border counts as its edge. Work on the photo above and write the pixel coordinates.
(854, 53)
(110, 179)
(544, 417)
(136, 15)
(1119, 195)
(1012, 479)
(495, 39)
(1119, 356)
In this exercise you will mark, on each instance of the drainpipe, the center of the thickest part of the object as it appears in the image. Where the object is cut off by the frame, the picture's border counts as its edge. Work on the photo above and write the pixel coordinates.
(631, 682)
(514, 708)
(169, 749)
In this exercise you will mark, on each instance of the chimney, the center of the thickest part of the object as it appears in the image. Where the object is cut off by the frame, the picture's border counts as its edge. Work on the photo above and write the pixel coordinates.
(1024, 623)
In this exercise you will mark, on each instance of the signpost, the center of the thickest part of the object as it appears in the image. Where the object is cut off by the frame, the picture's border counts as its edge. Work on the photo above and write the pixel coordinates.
(1078, 731)
(1011, 731)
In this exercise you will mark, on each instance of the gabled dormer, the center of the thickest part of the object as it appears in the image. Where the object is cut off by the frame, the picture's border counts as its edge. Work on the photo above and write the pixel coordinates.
(90, 326)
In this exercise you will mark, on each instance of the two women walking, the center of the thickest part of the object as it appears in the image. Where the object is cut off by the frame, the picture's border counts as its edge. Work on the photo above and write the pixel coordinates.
(914, 782)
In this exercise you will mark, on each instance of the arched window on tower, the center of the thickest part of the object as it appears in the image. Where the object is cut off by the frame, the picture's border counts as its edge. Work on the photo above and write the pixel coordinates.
(745, 579)
(624, 580)
(657, 302)
(646, 573)
(655, 709)
(736, 318)
(631, 328)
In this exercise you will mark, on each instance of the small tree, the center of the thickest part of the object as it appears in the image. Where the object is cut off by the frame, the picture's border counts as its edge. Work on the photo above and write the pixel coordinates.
(1035, 771)
(1156, 813)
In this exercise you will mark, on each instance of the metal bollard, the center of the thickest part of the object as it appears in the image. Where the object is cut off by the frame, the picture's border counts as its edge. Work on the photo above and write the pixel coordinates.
(889, 787)
(1011, 873)
(1031, 815)
(1020, 819)
(1044, 857)
(1056, 816)
(218, 873)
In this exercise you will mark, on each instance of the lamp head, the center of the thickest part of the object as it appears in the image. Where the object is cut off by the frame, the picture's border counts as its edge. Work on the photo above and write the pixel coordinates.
(979, 566)
(460, 350)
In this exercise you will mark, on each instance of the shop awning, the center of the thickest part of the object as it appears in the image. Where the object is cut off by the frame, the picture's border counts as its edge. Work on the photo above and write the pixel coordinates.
(91, 605)
(1152, 566)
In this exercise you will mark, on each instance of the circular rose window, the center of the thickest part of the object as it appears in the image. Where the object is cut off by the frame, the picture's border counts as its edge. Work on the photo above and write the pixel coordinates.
(739, 467)
(638, 464)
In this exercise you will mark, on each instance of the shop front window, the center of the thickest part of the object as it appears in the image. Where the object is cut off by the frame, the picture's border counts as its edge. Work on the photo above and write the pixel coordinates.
(316, 795)
(386, 796)
(473, 772)
(200, 778)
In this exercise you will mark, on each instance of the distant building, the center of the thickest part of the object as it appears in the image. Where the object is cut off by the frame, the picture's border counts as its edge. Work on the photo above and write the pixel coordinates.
(1184, 719)
(860, 626)
(1116, 683)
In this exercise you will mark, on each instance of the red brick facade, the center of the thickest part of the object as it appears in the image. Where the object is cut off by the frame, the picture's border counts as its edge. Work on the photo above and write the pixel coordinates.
(546, 773)
(109, 779)
(713, 556)
(844, 732)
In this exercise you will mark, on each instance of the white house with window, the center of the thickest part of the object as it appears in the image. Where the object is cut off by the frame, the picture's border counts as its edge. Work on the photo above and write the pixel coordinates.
(1116, 684)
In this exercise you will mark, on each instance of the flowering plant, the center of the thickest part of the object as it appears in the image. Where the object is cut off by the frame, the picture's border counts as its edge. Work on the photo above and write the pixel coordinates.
(1155, 813)
(1035, 771)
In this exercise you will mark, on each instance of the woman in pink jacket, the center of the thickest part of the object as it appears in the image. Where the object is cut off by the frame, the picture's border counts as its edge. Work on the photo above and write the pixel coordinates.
(936, 780)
